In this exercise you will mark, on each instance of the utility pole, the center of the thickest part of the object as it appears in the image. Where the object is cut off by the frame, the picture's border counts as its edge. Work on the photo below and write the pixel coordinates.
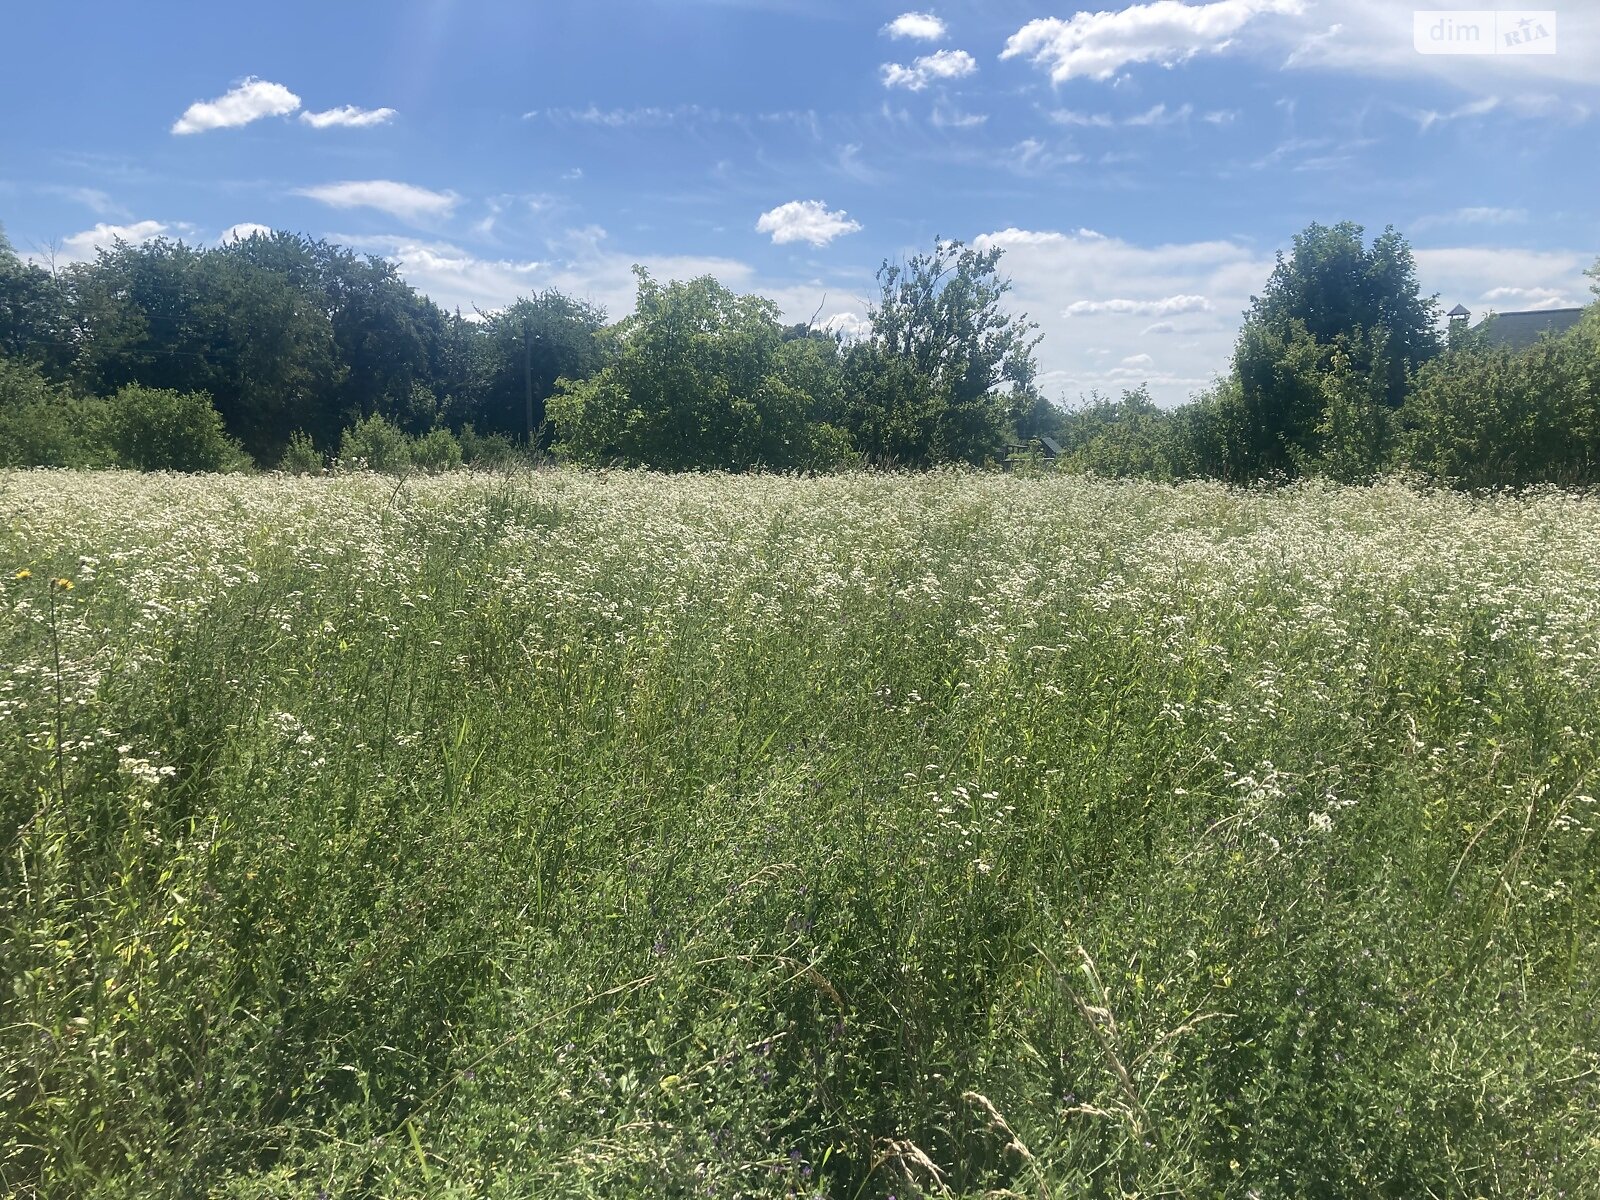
(527, 381)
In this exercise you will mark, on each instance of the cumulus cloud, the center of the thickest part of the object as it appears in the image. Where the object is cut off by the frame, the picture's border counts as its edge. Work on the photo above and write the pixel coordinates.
(930, 68)
(83, 245)
(249, 101)
(1486, 278)
(403, 200)
(805, 221)
(243, 231)
(1053, 271)
(1097, 45)
(1169, 306)
(583, 263)
(920, 25)
(349, 116)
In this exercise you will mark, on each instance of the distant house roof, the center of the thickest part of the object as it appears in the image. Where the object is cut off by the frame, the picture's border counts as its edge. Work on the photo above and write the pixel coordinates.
(1520, 330)
(1460, 310)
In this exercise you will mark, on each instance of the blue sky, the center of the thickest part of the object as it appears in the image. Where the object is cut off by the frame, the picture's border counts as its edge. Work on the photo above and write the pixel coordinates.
(1140, 163)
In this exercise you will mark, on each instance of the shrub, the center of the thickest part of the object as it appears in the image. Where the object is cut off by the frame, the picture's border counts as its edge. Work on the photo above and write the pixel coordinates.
(486, 450)
(374, 445)
(40, 425)
(157, 429)
(437, 450)
(302, 457)
(1489, 418)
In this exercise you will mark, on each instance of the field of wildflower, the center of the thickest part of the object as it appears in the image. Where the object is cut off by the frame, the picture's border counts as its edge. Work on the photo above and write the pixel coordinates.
(571, 834)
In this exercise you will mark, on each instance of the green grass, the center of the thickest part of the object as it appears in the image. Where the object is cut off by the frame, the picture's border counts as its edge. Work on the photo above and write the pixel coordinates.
(622, 835)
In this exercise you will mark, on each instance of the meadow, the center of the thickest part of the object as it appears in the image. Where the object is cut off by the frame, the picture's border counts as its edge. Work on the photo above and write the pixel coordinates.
(610, 834)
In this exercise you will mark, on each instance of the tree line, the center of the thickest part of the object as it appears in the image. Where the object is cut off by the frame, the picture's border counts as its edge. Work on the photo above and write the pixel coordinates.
(278, 350)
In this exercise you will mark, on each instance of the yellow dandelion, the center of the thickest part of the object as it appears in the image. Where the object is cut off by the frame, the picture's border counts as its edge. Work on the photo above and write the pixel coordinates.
(63, 583)
(23, 574)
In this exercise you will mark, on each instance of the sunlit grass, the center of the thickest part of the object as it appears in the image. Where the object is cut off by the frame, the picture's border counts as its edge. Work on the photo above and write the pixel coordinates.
(574, 835)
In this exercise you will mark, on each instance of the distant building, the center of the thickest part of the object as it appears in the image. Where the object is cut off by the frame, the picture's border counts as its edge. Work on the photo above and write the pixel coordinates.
(1518, 330)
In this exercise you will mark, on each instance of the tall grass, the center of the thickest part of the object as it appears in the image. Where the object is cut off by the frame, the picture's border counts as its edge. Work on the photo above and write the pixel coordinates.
(624, 835)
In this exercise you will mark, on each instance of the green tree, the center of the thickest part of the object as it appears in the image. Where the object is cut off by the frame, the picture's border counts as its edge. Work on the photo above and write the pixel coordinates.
(536, 341)
(1332, 295)
(390, 341)
(32, 311)
(947, 368)
(695, 379)
(169, 317)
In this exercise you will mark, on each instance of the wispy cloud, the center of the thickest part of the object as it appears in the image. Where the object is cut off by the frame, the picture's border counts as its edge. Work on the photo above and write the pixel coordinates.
(404, 200)
(953, 118)
(941, 66)
(96, 201)
(1473, 216)
(920, 25)
(348, 116)
(806, 221)
(1166, 306)
(249, 101)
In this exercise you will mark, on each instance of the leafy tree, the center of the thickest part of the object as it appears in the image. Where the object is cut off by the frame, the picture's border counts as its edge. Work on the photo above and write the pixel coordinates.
(1332, 295)
(695, 380)
(389, 340)
(542, 338)
(32, 309)
(946, 368)
(169, 317)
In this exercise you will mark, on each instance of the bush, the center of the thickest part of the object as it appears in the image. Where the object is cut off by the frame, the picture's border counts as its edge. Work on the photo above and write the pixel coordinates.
(374, 445)
(437, 450)
(1492, 418)
(302, 457)
(40, 424)
(486, 450)
(156, 429)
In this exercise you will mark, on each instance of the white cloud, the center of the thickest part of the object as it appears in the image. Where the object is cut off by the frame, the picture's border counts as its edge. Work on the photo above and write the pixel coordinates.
(1052, 271)
(954, 118)
(920, 25)
(930, 68)
(582, 263)
(1097, 45)
(805, 221)
(1160, 114)
(1376, 37)
(249, 101)
(403, 200)
(81, 246)
(243, 231)
(1486, 278)
(1168, 306)
(1208, 282)
(348, 115)
(1473, 216)
(96, 201)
